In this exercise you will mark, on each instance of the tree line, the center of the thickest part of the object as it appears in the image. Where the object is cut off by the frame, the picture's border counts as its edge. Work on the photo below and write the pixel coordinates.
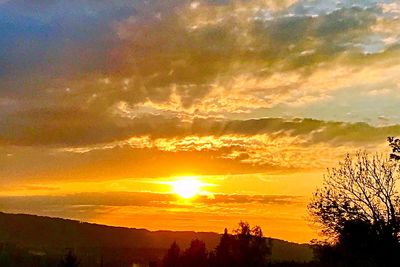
(245, 247)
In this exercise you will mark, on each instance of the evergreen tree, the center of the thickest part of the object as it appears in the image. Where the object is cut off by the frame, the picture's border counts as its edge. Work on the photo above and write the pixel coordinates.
(172, 258)
(69, 260)
(196, 255)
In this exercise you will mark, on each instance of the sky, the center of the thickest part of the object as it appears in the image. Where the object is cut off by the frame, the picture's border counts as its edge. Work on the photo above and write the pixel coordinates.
(105, 105)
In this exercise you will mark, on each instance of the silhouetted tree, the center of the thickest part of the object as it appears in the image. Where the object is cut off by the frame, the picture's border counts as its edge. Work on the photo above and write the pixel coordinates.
(5, 257)
(246, 247)
(358, 208)
(253, 247)
(363, 189)
(358, 246)
(394, 143)
(69, 260)
(196, 255)
(224, 252)
(172, 258)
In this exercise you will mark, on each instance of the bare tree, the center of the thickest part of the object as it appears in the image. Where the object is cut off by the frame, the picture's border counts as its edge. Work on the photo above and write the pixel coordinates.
(394, 143)
(363, 189)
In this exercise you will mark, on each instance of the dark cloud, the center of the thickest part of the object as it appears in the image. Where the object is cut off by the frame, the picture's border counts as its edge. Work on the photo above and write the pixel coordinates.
(91, 206)
(304, 41)
(64, 127)
(197, 56)
(56, 37)
(74, 127)
(142, 199)
(314, 130)
(253, 199)
(54, 45)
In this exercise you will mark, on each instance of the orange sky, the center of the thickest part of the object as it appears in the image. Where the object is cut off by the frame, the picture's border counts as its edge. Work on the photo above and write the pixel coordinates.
(270, 201)
(105, 104)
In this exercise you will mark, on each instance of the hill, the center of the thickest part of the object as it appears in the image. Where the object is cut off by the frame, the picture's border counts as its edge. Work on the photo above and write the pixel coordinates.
(52, 236)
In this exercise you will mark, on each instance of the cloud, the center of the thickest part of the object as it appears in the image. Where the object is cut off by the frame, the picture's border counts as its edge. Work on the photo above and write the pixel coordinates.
(231, 55)
(205, 148)
(217, 44)
(74, 126)
(67, 127)
(40, 37)
(93, 201)
(93, 206)
(211, 79)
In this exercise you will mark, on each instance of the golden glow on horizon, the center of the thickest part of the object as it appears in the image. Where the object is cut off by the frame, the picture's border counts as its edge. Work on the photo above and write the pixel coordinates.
(279, 219)
(187, 187)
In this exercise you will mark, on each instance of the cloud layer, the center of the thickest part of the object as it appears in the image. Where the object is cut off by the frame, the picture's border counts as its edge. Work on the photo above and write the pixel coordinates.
(209, 58)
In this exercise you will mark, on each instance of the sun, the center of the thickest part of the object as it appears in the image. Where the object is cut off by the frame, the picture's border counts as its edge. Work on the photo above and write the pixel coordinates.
(187, 187)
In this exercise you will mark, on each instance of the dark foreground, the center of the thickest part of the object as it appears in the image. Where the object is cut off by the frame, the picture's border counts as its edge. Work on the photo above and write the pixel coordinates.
(33, 241)
(27, 240)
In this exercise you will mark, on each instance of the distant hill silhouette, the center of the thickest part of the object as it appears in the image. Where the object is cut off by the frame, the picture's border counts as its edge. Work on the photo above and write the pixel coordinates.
(53, 235)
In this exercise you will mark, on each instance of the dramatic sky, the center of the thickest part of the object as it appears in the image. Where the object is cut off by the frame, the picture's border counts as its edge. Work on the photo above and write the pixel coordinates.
(105, 103)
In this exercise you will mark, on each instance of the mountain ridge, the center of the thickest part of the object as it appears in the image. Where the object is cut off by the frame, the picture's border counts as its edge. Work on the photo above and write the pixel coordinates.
(55, 234)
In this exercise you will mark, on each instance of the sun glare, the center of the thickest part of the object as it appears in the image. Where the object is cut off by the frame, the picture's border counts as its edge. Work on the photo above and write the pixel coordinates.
(187, 187)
